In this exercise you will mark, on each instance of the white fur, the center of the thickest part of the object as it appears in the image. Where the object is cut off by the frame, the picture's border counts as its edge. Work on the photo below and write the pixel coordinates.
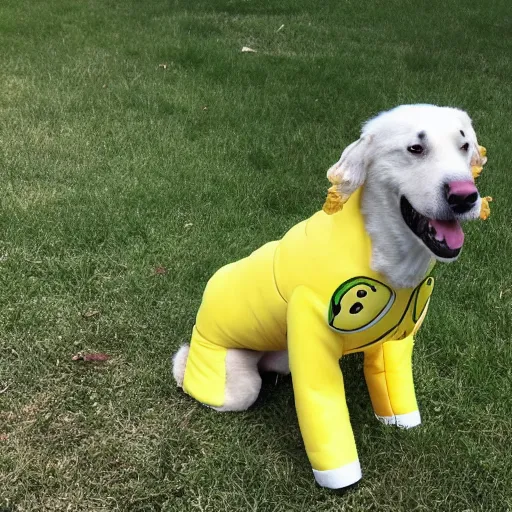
(275, 362)
(179, 363)
(243, 381)
(380, 160)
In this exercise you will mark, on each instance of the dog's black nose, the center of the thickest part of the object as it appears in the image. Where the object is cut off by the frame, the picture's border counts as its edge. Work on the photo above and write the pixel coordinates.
(461, 196)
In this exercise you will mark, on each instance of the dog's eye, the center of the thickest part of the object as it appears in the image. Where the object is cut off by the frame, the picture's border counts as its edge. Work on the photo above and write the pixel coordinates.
(465, 147)
(415, 149)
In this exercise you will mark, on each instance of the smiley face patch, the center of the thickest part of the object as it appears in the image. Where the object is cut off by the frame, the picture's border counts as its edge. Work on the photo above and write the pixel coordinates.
(367, 306)
(358, 304)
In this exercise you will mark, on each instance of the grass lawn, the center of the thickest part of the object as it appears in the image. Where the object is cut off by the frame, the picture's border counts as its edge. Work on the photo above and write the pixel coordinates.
(134, 136)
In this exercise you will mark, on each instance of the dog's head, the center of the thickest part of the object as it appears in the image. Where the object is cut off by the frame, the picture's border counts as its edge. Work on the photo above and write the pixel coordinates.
(420, 157)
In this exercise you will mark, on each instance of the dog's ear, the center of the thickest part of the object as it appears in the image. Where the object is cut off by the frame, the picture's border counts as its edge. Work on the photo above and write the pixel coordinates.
(477, 152)
(478, 159)
(349, 172)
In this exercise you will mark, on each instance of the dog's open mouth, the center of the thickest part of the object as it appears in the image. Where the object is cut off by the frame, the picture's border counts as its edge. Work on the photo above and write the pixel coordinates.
(444, 238)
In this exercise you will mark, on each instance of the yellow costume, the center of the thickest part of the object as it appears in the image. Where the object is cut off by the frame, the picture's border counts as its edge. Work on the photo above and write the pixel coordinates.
(314, 293)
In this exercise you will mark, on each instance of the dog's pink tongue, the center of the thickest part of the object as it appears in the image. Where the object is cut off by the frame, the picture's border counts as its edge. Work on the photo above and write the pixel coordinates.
(449, 231)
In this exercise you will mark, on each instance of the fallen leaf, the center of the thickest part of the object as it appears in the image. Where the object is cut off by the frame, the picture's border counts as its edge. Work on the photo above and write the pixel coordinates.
(94, 357)
(160, 271)
(90, 313)
(246, 49)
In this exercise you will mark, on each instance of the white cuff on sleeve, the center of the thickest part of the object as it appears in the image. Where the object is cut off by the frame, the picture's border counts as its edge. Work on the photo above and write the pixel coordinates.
(409, 420)
(340, 477)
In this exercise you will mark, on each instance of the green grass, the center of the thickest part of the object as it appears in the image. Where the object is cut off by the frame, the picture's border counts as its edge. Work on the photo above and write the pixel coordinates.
(112, 166)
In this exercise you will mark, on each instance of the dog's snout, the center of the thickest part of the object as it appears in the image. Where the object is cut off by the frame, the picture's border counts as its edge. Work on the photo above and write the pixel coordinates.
(461, 195)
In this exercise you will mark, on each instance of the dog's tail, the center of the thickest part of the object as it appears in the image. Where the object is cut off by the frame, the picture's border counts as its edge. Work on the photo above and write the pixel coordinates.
(179, 363)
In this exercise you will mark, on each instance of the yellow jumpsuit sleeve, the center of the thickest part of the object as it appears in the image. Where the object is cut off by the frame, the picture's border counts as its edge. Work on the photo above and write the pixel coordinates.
(388, 374)
(314, 353)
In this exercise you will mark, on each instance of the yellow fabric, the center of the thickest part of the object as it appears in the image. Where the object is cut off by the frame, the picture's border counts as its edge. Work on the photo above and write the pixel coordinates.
(205, 375)
(298, 293)
(477, 165)
(485, 210)
(314, 354)
(333, 202)
(476, 170)
(388, 374)
(242, 307)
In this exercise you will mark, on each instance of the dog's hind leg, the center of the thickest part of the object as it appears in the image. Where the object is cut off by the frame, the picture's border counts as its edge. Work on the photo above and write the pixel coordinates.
(276, 361)
(224, 379)
(179, 363)
(243, 381)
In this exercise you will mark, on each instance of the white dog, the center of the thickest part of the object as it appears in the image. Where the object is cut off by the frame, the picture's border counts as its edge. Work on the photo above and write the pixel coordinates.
(354, 281)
